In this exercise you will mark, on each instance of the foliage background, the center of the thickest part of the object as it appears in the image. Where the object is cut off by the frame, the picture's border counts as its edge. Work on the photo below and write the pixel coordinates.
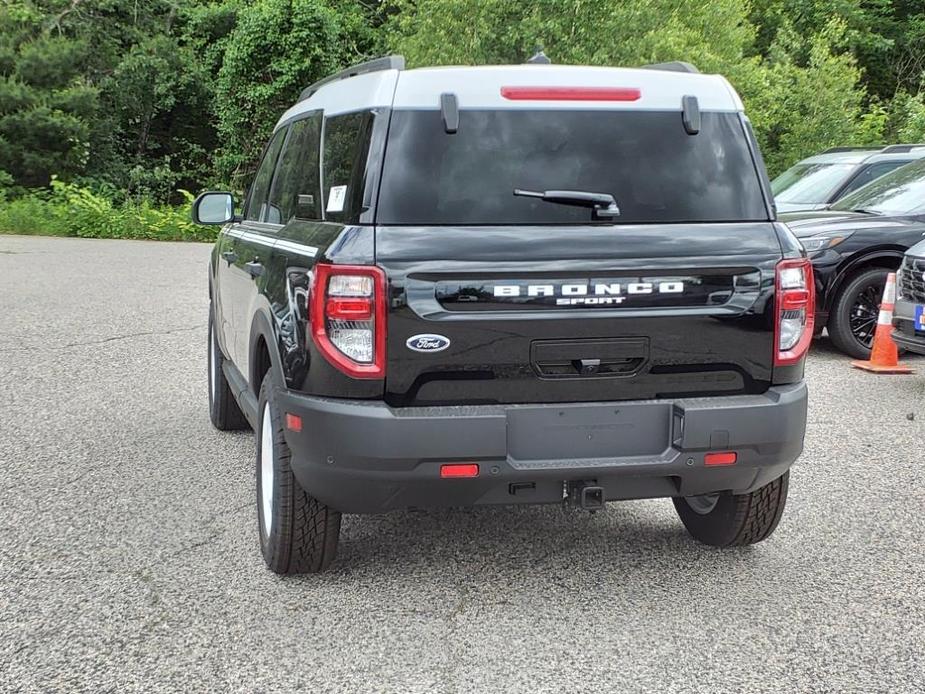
(111, 109)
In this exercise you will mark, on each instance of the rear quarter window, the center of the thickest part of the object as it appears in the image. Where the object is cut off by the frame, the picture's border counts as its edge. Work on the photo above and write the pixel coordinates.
(345, 152)
(656, 171)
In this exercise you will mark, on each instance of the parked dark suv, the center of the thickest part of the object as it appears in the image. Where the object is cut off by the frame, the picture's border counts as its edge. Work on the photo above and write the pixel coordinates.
(854, 245)
(909, 315)
(504, 285)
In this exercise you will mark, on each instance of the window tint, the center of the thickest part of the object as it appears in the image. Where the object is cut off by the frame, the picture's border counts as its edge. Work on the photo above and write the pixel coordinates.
(346, 147)
(646, 160)
(810, 183)
(296, 191)
(257, 202)
(870, 173)
(900, 192)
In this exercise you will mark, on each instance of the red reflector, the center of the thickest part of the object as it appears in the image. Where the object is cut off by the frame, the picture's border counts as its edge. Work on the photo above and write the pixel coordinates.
(354, 308)
(459, 470)
(571, 93)
(293, 422)
(726, 458)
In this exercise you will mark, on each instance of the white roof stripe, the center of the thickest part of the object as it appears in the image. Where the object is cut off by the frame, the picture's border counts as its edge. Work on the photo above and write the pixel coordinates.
(370, 90)
(480, 87)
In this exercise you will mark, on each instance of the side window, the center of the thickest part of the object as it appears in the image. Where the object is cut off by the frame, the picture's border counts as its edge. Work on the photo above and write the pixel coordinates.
(296, 187)
(870, 173)
(257, 202)
(346, 148)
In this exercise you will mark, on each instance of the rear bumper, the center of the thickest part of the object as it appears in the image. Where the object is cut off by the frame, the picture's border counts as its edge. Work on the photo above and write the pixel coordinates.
(366, 457)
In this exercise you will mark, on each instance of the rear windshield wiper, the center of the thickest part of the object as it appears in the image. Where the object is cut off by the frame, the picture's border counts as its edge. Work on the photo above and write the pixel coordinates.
(602, 204)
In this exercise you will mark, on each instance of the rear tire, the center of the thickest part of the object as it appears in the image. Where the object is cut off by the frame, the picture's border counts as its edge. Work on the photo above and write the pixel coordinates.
(298, 533)
(733, 520)
(224, 411)
(854, 312)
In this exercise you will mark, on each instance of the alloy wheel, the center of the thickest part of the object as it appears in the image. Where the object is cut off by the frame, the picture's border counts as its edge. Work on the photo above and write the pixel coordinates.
(702, 504)
(864, 313)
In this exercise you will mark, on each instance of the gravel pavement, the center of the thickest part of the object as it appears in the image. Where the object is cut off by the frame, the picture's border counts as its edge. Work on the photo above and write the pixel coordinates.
(129, 558)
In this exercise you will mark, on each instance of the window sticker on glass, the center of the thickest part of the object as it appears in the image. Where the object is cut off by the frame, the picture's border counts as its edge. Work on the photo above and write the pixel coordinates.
(336, 199)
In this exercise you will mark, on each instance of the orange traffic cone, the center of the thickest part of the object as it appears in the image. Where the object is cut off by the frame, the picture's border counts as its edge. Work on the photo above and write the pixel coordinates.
(884, 357)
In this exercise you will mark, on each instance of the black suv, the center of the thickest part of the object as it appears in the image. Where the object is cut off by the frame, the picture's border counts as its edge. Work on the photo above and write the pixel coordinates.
(909, 317)
(854, 245)
(505, 285)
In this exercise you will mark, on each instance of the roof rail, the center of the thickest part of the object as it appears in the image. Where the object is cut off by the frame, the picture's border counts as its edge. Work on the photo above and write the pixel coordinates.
(389, 62)
(900, 149)
(832, 150)
(674, 66)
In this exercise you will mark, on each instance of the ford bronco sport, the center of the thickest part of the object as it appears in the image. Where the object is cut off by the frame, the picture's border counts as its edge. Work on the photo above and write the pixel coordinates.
(509, 285)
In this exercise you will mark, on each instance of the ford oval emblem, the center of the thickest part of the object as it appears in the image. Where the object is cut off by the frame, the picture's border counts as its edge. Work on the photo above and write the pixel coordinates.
(427, 343)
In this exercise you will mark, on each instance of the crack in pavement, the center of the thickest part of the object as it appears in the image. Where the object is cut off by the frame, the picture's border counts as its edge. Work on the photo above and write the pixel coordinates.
(114, 338)
(213, 535)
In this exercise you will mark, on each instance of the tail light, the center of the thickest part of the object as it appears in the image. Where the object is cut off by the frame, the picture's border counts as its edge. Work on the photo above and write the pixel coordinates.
(796, 306)
(571, 93)
(347, 310)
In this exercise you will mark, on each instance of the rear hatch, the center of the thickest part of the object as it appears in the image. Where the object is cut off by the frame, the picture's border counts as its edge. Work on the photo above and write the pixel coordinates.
(497, 298)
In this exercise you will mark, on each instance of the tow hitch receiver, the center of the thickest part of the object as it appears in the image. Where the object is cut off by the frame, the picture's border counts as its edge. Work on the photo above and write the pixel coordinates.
(585, 494)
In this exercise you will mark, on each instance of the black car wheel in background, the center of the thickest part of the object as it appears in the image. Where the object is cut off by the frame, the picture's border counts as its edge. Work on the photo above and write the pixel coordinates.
(854, 315)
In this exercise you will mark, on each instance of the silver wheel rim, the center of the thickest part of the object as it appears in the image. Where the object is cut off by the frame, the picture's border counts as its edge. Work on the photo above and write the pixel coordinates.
(702, 504)
(266, 469)
(213, 365)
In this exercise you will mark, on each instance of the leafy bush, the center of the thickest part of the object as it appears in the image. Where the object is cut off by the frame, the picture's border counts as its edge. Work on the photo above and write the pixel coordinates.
(72, 210)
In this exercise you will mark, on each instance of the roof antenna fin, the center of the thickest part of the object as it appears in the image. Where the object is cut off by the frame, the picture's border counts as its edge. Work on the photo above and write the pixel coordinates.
(539, 58)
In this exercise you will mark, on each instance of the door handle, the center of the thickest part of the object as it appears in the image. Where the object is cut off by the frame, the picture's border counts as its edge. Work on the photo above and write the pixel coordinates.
(254, 268)
(230, 256)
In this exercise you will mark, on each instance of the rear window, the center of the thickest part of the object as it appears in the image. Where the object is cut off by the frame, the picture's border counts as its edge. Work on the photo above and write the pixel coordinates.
(645, 159)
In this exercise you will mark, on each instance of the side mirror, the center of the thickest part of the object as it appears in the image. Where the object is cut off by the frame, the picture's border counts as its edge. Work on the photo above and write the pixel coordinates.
(213, 208)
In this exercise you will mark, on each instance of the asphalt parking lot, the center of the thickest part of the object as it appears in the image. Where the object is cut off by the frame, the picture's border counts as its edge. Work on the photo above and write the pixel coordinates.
(129, 558)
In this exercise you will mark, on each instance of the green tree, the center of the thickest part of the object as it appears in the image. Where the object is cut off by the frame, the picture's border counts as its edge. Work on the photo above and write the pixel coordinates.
(799, 110)
(802, 94)
(594, 32)
(158, 101)
(277, 48)
(46, 101)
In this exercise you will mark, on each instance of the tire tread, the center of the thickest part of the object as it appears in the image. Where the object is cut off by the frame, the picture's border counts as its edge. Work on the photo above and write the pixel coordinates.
(224, 411)
(738, 519)
(309, 530)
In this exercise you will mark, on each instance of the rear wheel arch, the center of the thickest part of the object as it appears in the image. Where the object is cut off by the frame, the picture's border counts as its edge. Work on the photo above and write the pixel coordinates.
(264, 353)
(889, 259)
